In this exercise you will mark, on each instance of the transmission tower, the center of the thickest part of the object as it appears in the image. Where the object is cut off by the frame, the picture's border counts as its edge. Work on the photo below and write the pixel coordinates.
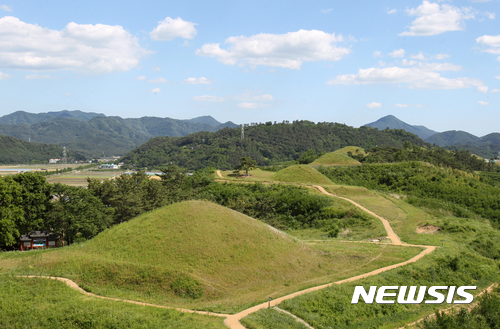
(64, 159)
(242, 131)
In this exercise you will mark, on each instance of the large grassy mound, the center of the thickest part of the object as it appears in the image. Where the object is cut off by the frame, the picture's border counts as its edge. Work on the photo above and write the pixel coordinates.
(335, 159)
(198, 255)
(300, 174)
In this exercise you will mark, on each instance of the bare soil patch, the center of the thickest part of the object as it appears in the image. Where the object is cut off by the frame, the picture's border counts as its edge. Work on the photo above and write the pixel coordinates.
(428, 229)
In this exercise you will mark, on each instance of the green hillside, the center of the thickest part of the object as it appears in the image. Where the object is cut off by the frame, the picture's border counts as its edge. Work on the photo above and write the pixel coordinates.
(391, 122)
(98, 135)
(335, 159)
(265, 143)
(452, 137)
(353, 149)
(13, 150)
(300, 174)
(197, 254)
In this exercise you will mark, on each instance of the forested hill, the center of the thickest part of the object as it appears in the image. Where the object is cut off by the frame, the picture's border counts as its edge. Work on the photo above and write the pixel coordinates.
(103, 135)
(13, 150)
(266, 143)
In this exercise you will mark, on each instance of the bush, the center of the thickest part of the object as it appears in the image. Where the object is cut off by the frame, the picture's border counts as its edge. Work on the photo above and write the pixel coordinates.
(186, 286)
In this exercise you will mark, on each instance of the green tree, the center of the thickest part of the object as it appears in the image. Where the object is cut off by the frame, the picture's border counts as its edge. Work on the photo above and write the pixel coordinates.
(35, 202)
(11, 214)
(247, 163)
(77, 212)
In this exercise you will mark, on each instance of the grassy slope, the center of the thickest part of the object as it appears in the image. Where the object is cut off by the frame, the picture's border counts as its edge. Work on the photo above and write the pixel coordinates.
(300, 174)
(41, 303)
(352, 149)
(335, 159)
(238, 260)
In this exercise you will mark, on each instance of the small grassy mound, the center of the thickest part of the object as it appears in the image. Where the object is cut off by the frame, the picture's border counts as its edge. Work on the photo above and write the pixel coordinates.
(335, 159)
(353, 149)
(301, 174)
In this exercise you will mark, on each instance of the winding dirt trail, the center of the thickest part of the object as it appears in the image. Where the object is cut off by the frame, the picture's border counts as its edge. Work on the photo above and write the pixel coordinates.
(219, 174)
(74, 285)
(232, 320)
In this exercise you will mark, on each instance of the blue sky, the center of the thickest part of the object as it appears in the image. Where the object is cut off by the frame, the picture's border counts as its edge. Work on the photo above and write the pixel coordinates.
(432, 63)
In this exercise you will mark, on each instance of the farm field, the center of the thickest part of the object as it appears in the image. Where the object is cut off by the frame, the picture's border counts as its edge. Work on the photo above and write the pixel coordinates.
(80, 178)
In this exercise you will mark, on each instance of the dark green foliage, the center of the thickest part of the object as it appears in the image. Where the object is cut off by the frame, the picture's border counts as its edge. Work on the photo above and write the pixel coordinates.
(453, 190)
(487, 246)
(266, 144)
(271, 318)
(13, 150)
(247, 163)
(186, 286)
(309, 156)
(36, 195)
(103, 135)
(77, 214)
(283, 206)
(483, 316)
(11, 213)
(462, 160)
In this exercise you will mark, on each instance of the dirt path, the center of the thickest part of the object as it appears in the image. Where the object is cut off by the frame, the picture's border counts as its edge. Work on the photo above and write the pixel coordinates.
(75, 286)
(219, 174)
(390, 232)
(232, 320)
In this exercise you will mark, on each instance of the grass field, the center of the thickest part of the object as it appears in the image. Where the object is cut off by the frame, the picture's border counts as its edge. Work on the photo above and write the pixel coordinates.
(353, 149)
(335, 159)
(300, 174)
(41, 303)
(208, 246)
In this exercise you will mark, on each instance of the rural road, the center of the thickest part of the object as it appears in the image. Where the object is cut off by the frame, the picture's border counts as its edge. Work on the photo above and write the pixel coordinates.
(233, 320)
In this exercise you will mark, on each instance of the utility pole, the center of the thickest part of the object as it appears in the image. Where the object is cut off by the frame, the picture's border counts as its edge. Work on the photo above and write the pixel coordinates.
(242, 132)
(64, 159)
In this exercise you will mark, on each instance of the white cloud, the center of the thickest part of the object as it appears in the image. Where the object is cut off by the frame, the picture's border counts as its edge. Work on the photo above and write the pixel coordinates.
(441, 56)
(155, 69)
(252, 105)
(419, 56)
(156, 90)
(415, 77)
(392, 11)
(481, 0)
(159, 80)
(492, 41)
(141, 78)
(169, 29)
(81, 47)
(408, 105)
(326, 11)
(373, 105)
(40, 76)
(5, 7)
(495, 91)
(397, 53)
(4, 76)
(483, 103)
(208, 98)
(439, 67)
(288, 50)
(406, 62)
(497, 77)
(483, 89)
(198, 81)
(68, 94)
(490, 15)
(434, 19)
(377, 53)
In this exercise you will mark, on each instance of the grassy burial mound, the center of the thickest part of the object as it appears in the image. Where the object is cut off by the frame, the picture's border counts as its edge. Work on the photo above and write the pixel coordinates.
(335, 159)
(353, 149)
(301, 174)
(199, 255)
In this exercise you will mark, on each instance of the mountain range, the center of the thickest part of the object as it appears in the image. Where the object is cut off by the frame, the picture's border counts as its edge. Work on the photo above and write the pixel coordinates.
(96, 135)
(487, 146)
